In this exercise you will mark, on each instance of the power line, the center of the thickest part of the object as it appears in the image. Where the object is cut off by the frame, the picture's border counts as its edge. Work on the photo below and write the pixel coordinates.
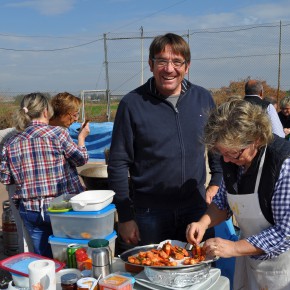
(212, 31)
(39, 36)
(55, 49)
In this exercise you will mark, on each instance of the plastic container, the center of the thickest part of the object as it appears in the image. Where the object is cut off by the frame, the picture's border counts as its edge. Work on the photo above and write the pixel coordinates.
(118, 282)
(18, 264)
(59, 245)
(92, 200)
(61, 203)
(83, 225)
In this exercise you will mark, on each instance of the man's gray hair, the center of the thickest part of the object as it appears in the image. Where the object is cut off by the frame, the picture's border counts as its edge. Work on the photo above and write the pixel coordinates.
(253, 87)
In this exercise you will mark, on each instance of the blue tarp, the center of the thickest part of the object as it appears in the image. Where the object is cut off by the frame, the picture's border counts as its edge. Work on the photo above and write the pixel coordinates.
(99, 139)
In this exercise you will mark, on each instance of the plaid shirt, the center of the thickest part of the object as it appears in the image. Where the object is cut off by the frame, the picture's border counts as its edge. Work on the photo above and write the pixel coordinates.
(276, 239)
(42, 162)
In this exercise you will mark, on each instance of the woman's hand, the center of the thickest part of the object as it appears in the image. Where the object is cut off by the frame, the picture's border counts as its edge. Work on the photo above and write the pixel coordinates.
(211, 191)
(220, 247)
(84, 132)
(195, 233)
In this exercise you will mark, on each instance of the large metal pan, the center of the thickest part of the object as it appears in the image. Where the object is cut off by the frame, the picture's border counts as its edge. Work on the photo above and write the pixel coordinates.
(124, 257)
(96, 177)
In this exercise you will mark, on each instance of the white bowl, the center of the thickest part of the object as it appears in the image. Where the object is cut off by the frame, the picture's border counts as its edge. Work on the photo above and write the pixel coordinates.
(92, 200)
(20, 281)
(12, 286)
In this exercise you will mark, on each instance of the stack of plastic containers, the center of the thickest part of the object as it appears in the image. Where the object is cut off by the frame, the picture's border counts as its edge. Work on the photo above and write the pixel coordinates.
(91, 217)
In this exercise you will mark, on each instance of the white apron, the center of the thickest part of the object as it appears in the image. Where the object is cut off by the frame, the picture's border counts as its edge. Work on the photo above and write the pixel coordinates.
(250, 274)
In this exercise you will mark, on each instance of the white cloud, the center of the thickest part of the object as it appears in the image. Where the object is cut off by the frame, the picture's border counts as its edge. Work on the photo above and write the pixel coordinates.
(267, 12)
(46, 7)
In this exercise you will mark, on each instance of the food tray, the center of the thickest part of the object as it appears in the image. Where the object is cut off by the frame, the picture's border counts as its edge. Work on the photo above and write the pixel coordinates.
(18, 264)
(134, 251)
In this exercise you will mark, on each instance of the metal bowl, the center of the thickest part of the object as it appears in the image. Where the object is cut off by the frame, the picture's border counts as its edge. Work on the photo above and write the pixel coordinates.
(178, 277)
(95, 177)
(98, 170)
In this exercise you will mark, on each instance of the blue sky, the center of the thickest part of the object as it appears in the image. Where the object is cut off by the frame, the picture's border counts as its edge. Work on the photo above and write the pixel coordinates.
(41, 25)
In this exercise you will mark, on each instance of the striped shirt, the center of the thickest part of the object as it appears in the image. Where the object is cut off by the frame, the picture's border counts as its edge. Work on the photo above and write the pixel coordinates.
(42, 162)
(276, 239)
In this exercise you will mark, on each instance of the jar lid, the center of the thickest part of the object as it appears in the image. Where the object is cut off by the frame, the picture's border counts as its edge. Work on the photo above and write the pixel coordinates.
(69, 278)
(98, 243)
(86, 273)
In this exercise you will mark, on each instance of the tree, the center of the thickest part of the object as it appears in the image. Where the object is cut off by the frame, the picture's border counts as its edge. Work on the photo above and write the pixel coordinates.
(237, 88)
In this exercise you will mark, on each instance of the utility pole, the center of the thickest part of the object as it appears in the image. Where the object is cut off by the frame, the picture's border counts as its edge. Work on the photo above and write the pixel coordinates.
(142, 55)
(107, 79)
(279, 65)
(188, 45)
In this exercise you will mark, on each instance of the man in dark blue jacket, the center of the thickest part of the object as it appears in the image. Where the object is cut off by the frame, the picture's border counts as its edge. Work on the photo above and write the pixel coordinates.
(157, 137)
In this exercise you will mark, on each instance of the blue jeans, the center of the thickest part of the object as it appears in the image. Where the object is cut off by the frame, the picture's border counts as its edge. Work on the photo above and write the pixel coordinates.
(38, 229)
(157, 225)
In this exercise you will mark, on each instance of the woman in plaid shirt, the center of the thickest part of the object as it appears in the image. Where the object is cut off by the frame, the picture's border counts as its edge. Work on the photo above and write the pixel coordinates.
(255, 189)
(40, 160)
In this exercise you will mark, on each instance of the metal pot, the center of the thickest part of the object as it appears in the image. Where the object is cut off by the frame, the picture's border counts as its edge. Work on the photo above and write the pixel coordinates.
(96, 177)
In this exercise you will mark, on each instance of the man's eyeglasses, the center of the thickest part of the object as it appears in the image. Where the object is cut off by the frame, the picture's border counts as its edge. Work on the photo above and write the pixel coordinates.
(160, 62)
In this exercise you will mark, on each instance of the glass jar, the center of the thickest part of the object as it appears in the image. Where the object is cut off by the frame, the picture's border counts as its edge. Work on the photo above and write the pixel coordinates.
(69, 281)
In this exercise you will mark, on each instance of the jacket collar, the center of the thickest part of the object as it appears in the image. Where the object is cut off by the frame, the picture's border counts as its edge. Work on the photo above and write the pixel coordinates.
(153, 90)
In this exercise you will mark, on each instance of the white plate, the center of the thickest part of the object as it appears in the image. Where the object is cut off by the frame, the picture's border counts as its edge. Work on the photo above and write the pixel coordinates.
(214, 275)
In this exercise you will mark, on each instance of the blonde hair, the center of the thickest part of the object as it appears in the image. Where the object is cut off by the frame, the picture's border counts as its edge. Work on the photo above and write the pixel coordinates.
(31, 107)
(64, 103)
(236, 124)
